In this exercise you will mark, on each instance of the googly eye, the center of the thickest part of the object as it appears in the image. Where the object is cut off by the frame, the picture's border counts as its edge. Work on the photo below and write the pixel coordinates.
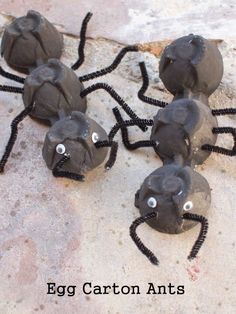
(152, 202)
(60, 149)
(188, 206)
(95, 137)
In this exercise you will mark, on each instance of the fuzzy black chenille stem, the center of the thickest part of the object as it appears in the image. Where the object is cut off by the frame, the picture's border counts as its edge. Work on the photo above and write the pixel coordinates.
(222, 150)
(111, 67)
(13, 136)
(115, 96)
(12, 77)
(11, 89)
(221, 112)
(137, 240)
(113, 144)
(80, 60)
(57, 172)
(138, 122)
(202, 234)
(125, 135)
(144, 88)
(113, 152)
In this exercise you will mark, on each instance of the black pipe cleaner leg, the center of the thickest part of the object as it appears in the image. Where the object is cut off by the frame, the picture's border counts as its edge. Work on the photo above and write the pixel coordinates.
(115, 96)
(111, 67)
(125, 135)
(13, 136)
(222, 112)
(80, 60)
(11, 89)
(142, 248)
(144, 88)
(57, 172)
(202, 234)
(114, 145)
(222, 150)
(124, 130)
(138, 122)
(113, 152)
(11, 76)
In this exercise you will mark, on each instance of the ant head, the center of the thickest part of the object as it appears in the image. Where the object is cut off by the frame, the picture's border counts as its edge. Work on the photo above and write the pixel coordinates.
(171, 191)
(29, 39)
(193, 63)
(53, 87)
(75, 135)
(181, 128)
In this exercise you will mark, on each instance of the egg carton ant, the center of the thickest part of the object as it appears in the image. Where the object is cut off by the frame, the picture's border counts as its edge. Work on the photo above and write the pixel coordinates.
(174, 198)
(55, 95)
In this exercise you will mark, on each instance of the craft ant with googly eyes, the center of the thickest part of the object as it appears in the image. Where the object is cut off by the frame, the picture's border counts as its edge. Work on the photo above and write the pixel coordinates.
(51, 87)
(174, 197)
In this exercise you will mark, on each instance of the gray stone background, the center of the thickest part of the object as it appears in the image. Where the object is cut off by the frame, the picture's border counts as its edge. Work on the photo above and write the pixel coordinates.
(69, 233)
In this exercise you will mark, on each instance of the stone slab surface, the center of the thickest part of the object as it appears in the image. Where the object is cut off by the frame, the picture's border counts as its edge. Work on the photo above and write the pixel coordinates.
(131, 21)
(56, 230)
